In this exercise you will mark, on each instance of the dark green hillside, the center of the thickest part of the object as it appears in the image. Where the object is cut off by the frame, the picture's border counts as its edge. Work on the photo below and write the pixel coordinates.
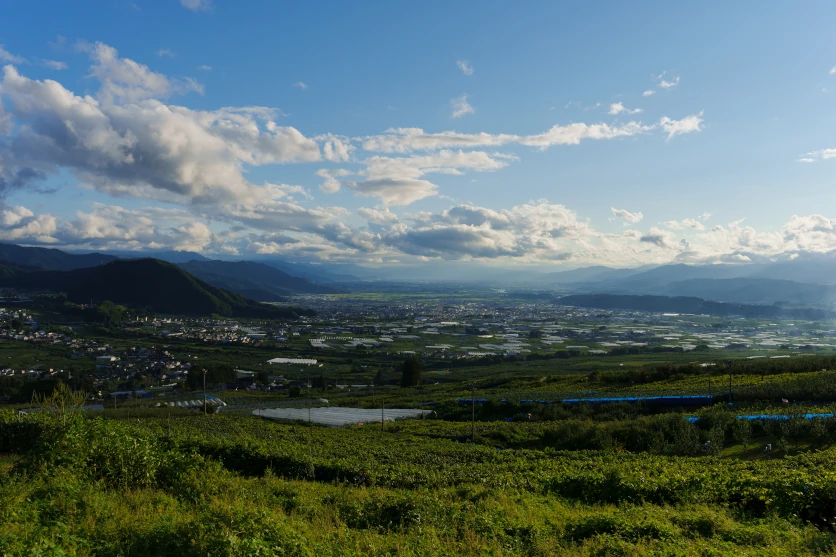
(145, 283)
(165, 288)
(9, 271)
(254, 280)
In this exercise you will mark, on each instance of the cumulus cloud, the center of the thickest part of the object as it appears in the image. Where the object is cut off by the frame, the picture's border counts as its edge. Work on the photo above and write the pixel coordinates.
(460, 106)
(832, 70)
(688, 124)
(540, 230)
(331, 183)
(125, 81)
(534, 232)
(145, 148)
(619, 108)
(465, 67)
(126, 138)
(693, 223)
(648, 93)
(335, 148)
(19, 224)
(627, 215)
(377, 216)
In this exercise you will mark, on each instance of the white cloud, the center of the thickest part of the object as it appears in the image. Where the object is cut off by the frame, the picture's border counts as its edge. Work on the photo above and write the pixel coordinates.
(13, 216)
(660, 238)
(300, 85)
(648, 93)
(688, 124)
(165, 52)
(331, 184)
(377, 216)
(815, 156)
(197, 5)
(123, 80)
(335, 148)
(693, 223)
(204, 68)
(396, 180)
(465, 67)
(627, 215)
(126, 139)
(461, 107)
(394, 191)
(53, 65)
(832, 70)
(146, 148)
(6, 56)
(618, 108)
(406, 140)
(534, 232)
(668, 84)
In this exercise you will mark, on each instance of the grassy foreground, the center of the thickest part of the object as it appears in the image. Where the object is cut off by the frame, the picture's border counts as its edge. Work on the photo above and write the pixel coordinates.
(234, 485)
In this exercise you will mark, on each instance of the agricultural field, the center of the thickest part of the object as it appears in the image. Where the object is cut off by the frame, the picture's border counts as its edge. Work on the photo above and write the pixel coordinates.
(540, 432)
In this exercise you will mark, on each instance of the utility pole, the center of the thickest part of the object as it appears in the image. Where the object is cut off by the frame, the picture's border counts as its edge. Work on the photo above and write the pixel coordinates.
(473, 416)
(310, 402)
(730, 387)
(709, 383)
(204, 391)
(382, 414)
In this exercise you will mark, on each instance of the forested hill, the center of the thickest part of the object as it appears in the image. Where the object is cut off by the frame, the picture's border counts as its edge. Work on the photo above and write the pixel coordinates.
(688, 304)
(150, 284)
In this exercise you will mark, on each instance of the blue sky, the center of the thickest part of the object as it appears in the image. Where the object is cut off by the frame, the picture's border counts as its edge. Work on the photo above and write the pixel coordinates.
(540, 133)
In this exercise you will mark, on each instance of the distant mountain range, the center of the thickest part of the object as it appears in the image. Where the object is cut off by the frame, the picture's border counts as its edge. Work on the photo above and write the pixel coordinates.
(254, 280)
(50, 259)
(150, 284)
(261, 281)
(688, 304)
(804, 281)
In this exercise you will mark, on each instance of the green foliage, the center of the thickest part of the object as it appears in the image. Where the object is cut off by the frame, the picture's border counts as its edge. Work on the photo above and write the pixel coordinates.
(219, 374)
(237, 485)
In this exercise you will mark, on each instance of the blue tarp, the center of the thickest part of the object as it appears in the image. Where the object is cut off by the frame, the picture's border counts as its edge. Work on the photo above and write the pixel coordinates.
(682, 400)
(773, 417)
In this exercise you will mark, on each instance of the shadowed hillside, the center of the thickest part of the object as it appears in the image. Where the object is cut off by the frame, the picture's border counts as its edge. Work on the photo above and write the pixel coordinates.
(146, 283)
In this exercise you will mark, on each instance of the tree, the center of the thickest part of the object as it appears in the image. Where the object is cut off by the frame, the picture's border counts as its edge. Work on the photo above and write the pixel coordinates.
(411, 373)
(17, 324)
(220, 374)
(262, 378)
(379, 378)
(743, 433)
(535, 333)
